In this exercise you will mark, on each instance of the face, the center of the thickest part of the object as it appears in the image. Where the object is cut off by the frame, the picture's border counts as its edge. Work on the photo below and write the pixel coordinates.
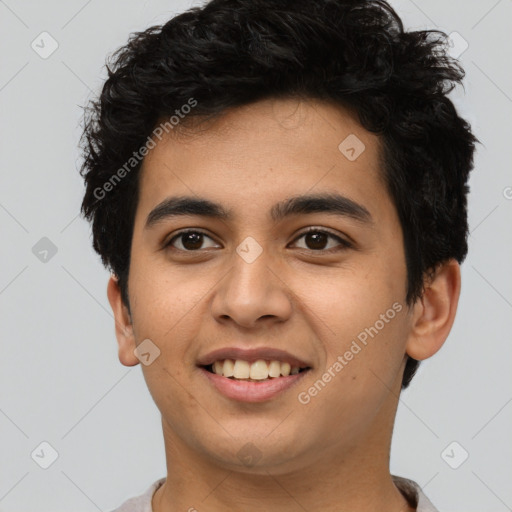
(271, 278)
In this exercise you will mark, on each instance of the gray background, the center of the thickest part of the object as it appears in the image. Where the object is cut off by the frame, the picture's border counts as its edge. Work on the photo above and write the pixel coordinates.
(60, 379)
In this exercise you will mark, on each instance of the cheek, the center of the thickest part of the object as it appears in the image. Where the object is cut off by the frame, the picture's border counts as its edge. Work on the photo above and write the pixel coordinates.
(164, 310)
(362, 367)
(160, 296)
(356, 300)
(363, 328)
(157, 303)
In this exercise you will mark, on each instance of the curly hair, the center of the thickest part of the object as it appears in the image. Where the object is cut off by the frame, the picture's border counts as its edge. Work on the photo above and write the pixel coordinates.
(229, 53)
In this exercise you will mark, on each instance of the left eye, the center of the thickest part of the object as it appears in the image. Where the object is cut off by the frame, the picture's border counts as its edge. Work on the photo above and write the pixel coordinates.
(317, 239)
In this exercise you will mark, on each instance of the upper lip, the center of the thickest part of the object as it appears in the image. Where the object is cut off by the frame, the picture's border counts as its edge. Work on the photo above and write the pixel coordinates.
(251, 355)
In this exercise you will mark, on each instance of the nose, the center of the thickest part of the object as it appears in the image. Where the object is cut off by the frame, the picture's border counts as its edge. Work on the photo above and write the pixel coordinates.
(252, 293)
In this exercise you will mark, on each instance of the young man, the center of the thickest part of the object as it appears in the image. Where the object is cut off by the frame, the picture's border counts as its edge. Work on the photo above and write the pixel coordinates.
(279, 189)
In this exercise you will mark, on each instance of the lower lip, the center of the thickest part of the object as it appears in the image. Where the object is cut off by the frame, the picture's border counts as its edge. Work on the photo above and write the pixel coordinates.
(249, 391)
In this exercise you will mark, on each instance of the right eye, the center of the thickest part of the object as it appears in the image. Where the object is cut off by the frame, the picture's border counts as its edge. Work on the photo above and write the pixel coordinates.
(190, 240)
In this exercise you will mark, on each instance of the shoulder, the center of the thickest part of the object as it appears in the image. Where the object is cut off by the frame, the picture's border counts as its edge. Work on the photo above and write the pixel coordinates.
(413, 493)
(141, 503)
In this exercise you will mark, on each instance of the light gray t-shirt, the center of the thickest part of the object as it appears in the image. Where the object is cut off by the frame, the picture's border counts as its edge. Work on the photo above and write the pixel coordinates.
(408, 488)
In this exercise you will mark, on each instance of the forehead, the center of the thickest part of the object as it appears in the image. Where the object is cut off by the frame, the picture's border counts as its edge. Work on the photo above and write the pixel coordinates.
(256, 155)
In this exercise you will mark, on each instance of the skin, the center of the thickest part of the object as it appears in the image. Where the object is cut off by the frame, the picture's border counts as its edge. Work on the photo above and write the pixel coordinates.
(331, 454)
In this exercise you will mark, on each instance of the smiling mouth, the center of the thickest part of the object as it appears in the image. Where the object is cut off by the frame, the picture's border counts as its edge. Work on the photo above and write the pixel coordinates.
(257, 371)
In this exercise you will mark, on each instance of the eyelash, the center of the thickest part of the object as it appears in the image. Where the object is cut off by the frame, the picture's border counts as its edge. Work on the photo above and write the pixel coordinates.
(343, 243)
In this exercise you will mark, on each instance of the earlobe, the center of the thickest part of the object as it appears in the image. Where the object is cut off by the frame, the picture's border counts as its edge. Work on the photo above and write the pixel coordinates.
(123, 324)
(434, 313)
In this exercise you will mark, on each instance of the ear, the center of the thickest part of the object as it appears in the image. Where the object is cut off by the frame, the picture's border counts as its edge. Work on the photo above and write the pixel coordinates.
(124, 328)
(434, 313)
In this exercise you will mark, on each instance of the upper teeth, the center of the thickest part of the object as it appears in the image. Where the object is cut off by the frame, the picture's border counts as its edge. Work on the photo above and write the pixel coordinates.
(259, 370)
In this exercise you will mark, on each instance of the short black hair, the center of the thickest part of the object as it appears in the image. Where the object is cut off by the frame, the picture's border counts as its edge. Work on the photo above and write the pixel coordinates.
(230, 53)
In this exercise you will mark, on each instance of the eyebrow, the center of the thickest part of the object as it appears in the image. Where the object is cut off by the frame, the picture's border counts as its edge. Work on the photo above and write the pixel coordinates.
(329, 203)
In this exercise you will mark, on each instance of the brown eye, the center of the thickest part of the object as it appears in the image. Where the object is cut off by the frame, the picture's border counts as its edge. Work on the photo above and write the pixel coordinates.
(189, 240)
(317, 240)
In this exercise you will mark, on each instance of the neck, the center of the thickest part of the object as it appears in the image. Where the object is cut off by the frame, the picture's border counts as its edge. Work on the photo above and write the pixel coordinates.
(339, 480)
